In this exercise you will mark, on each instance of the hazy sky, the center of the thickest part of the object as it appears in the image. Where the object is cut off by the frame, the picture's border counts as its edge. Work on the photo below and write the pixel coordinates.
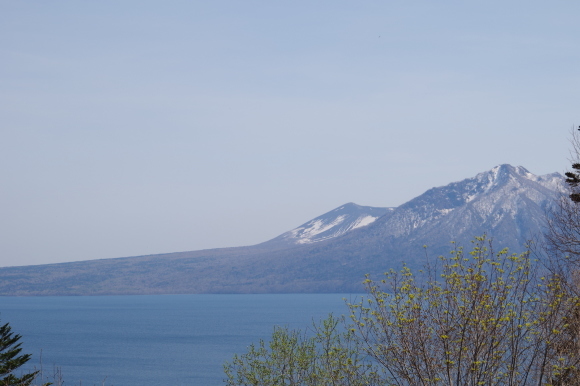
(140, 127)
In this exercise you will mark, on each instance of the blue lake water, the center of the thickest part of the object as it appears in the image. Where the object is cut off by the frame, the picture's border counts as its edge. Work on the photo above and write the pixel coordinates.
(154, 340)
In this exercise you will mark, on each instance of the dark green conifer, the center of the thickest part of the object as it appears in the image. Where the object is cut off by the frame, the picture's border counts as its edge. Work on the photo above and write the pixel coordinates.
(573, 179)
(10, 359)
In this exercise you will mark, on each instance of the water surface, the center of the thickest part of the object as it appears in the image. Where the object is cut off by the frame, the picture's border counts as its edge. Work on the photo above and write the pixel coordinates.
(154, 340)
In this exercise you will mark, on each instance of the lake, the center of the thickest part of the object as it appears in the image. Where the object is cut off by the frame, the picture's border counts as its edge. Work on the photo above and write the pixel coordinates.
(154, 340)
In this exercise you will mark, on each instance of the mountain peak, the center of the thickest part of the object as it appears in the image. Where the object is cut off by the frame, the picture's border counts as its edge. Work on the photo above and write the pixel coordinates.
(332, 224)
(348, 205)
(503, 174)
(504, 197)
(507, 203)
(482, 193)
(499, 172)
(511, 168)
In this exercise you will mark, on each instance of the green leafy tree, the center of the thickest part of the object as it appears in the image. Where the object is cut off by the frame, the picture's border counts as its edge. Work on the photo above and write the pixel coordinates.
(472, 318)
(480, 318)
(291, 357)
(11, 360)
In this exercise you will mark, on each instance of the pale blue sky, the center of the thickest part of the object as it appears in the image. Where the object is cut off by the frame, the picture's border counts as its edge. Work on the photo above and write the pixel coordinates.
(141, 127)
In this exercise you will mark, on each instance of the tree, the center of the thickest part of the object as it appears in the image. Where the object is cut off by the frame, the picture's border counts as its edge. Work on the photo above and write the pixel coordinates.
(563, 219)
(573, 178)
(477, 318)
(562, 238)
(11, 360)
(291, 357)
(480, 318)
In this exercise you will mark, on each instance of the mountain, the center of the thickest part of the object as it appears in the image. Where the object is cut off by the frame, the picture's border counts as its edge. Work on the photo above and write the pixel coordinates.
(330, 253)
(330, 225)
(507, 202)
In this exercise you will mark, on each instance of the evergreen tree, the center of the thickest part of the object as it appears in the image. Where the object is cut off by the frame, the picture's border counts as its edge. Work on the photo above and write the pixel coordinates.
(573, 179)
(10, 359)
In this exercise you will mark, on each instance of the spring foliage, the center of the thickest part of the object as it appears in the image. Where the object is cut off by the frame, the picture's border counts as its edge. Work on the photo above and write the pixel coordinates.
(291, 357)
(476, 318)
(480, 319)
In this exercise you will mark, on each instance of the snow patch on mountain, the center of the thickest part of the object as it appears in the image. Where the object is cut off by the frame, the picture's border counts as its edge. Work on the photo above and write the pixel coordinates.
(324, 229)
(333, 224)
(493, 199)
(507, 199)
(316, 227)
(363, 221)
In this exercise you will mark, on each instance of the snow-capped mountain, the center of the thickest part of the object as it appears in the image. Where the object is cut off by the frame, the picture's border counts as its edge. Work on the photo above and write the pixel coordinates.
(330, 253)
(507, 203)
(332, 224)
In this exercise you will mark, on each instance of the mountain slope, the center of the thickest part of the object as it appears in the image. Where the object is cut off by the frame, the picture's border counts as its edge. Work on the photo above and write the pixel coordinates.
(330, 225)
(506, 202)
(328, 254)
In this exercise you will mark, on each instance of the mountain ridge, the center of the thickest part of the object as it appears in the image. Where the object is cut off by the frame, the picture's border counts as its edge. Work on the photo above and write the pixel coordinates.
(323, 254)
(332, 224)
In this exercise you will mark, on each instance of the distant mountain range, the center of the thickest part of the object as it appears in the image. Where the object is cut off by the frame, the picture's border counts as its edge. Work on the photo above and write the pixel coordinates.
(330, 253)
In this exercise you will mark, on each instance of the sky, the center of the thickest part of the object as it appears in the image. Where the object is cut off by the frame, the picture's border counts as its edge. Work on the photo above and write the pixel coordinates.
(140, 127)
